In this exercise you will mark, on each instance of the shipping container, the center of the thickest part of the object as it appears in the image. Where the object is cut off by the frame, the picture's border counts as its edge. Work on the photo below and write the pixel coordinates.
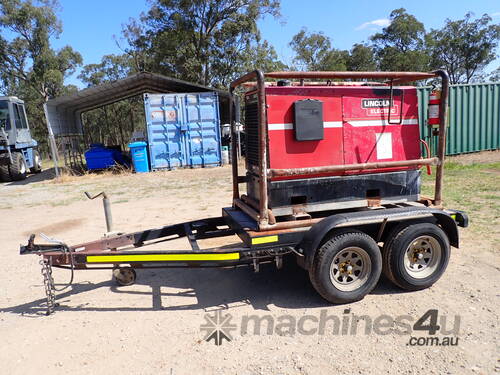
(474, 117)
(183, 130)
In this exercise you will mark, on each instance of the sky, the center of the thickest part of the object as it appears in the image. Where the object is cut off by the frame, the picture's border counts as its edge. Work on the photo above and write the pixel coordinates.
(90, 26)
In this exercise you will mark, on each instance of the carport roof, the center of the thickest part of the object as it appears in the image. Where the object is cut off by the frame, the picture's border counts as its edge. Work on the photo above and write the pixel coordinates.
(63, 113)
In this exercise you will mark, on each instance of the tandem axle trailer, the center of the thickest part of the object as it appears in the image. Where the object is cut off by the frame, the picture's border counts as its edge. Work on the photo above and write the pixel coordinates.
(344, 247)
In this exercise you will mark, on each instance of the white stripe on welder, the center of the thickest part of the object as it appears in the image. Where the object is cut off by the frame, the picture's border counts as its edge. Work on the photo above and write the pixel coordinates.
(410, 121)
(289, 126)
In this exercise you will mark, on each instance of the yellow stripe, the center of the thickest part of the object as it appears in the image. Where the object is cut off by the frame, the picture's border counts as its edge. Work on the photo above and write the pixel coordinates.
(266, 239)
(454, 216)
(160, 257)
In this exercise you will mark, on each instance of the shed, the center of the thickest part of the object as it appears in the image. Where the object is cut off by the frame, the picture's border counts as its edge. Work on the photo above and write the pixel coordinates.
(63, 113)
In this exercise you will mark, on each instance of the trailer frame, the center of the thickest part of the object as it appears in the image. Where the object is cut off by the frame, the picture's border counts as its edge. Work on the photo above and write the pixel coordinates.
(263, 237)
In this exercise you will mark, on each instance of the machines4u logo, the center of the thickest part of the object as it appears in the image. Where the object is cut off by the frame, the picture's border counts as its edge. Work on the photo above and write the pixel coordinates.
(376, 103)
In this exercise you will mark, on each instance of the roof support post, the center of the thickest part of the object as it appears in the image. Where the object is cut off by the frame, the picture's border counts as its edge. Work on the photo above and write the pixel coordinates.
(52, 141)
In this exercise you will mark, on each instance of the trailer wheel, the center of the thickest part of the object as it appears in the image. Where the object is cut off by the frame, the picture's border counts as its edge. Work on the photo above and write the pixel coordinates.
(346, 267)
(124, 276)
(416, 256)
(37, 162)
(18, 169)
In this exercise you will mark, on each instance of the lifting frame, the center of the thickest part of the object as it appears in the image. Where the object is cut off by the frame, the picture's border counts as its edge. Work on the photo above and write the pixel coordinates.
(263, 238)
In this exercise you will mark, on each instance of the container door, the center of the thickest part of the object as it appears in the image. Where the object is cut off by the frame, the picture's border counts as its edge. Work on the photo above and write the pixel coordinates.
(202, 129)
(164, 119)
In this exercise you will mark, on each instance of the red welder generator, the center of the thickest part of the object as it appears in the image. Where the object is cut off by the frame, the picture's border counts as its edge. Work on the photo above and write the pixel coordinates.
(323, 125)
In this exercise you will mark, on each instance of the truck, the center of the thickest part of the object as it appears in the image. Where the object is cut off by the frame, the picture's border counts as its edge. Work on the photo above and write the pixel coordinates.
(19, 153)
(332, 178)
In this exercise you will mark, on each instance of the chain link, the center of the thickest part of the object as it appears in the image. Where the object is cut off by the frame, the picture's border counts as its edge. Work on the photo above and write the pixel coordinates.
(48, 282)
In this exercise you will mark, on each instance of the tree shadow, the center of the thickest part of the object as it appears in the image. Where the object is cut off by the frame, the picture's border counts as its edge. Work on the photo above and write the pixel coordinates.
(211, 288)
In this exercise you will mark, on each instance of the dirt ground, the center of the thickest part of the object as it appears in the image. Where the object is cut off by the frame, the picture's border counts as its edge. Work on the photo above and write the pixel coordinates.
(153, 327)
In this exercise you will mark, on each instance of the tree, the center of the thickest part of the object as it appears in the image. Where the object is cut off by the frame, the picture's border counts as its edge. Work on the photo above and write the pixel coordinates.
(29, 67)
(494, 76)
(202, 41)
(361, 59)
(112, 124)
(464, 47)
(313, 51)
(111, 68)
(401, 45)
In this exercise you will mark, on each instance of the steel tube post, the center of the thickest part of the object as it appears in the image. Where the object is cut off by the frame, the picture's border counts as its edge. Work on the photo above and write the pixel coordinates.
(234, 155)
(396, 76)
(351, 167)
(52, 141)
(443, 117)
(107, 213)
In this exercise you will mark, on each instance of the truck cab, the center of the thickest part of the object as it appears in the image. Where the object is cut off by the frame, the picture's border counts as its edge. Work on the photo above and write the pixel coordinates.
(18, 150)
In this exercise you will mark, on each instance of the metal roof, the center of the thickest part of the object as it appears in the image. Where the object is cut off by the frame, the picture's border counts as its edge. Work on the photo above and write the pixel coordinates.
(64, 112)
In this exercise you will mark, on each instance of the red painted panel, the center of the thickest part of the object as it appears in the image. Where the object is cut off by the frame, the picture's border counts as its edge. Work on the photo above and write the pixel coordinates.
(353, 117)
(286, 152)
(371, 135)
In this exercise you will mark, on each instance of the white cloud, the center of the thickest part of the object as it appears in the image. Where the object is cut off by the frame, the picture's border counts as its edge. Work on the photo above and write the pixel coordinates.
(382, 22)
(496, 14)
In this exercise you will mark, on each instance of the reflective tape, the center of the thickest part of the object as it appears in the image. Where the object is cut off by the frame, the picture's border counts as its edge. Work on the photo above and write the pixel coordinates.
(124, 258)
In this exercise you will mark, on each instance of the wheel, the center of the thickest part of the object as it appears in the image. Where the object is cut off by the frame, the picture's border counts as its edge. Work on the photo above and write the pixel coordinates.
(4, 173)
(346, 267)
(37, 162)
(18, 169)
(124, 276)
(416, 256)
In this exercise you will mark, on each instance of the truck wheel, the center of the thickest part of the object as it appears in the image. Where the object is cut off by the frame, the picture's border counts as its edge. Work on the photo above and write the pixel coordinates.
(346, 267)
(4, 173)
(37, 162)
(18, 169)
(416, 256)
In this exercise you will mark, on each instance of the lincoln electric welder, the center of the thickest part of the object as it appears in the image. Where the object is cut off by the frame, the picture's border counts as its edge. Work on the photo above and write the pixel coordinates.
(332, 179)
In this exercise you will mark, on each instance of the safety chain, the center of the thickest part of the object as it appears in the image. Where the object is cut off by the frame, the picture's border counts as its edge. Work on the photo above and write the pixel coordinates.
(48, 282)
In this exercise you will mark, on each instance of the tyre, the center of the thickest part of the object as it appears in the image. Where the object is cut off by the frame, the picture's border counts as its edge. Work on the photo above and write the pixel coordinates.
(346, 267)
(18, 169)
(37, 162)
(415, 256)
(124, 276)
(4, 173)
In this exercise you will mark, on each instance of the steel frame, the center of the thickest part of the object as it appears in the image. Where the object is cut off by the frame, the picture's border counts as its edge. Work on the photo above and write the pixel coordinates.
(262, 214)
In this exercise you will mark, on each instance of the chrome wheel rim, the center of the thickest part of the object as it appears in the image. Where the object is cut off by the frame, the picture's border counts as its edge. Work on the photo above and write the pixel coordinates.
(350, 269)
(422, 257)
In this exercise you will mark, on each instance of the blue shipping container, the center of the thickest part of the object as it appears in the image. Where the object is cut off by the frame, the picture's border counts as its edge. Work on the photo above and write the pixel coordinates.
(183, 130)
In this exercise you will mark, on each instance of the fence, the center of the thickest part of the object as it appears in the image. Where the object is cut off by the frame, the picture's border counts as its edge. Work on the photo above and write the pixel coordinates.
(474, 117)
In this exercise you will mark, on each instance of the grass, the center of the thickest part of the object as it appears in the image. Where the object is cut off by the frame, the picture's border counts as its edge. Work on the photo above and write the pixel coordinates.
(473, 188)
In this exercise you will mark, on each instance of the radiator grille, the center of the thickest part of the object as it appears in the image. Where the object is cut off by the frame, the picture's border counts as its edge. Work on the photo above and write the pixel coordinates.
(252, 132)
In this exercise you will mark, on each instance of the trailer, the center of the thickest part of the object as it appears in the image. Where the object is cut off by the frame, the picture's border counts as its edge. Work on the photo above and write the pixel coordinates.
(332, 180)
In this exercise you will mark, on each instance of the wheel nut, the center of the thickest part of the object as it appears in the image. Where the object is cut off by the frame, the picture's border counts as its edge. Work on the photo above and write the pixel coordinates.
(420, 255)
(349, 268)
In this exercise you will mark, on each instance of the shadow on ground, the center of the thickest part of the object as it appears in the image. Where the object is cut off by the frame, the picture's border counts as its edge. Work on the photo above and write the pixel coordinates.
(211, 288)
(47, 174)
